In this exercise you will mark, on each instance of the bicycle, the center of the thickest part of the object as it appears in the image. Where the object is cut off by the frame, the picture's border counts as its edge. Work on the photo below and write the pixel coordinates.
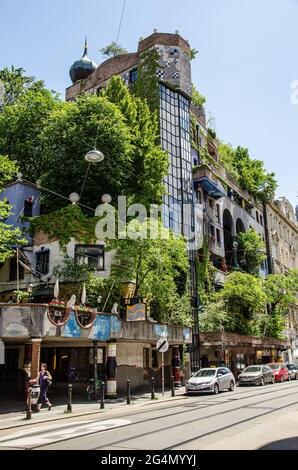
(93, 395)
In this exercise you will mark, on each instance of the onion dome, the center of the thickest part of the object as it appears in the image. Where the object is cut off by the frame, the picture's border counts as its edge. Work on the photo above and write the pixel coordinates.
(82, 68)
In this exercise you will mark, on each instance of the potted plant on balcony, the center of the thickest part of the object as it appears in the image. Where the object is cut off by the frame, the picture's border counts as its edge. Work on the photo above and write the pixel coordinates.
(85, 316)
(21, 296)
(58, 313)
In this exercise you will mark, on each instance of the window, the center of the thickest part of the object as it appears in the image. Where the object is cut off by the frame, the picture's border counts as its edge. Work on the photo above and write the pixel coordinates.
(257, 216)
(261, 219)
(212, 232)
(217, 213)
(211, 203)
(13, 270)
(28, 207)
(133, 75)
(218, 240)
(146, 358)
(92, 255)
(199, 196)
(154, 359)
(43, 261)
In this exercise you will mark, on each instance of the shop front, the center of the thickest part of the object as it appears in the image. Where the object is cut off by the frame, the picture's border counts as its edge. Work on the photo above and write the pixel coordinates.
(239, 351)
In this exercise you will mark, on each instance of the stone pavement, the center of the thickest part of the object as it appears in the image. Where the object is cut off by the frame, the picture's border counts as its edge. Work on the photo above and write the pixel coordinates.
(14, 418)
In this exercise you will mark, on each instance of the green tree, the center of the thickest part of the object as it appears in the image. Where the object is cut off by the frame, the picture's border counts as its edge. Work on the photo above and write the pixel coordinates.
(244, 297)
(26, 110)
(159, 267)
(149, 161)
(197, 99)
(75, 129)
(112, 50)
(9, 237)
(251, 251)
(214, 315)
(250, 174)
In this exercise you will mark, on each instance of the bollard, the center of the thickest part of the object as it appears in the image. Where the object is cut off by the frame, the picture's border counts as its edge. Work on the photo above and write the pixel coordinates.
(69, 400)
(152, 389)
(29, 404)
(128, 392)
(172, 386)
(102, 396)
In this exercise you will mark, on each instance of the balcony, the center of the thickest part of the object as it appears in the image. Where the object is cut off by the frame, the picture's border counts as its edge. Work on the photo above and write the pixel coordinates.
(20, 322)
(209, 181)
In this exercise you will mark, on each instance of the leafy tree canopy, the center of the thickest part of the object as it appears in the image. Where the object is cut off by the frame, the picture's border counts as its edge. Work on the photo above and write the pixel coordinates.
(9, 237)
(250, 174)
(113, 49)
(159, 267)
(251, 251)
(26, 110)
(197, 99)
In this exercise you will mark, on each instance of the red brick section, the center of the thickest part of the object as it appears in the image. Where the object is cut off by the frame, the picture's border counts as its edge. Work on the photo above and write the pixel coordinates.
(35, 364)
(118, 64)
(164, 39)
(112, 66)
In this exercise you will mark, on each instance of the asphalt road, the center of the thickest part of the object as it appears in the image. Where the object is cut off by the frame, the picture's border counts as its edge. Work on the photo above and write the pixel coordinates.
(251, 417)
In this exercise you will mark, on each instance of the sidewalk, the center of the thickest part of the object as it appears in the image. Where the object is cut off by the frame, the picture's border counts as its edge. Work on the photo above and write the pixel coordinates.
(18, 418)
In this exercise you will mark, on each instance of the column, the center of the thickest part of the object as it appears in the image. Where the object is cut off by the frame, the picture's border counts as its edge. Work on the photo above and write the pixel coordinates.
(111, 370)
(176, 363)
(35, 357)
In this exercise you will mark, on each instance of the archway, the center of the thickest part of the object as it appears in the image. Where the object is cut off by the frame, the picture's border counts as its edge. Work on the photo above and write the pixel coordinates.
(228, 237)
(240, 226)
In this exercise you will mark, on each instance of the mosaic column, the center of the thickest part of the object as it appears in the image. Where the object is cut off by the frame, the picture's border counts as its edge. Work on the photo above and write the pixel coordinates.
(176, 363)
(111, 370)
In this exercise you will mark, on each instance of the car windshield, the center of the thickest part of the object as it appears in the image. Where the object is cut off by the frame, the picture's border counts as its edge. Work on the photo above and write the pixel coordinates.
(291, 366)
(274, 366)
(252, 369)
(205, 373)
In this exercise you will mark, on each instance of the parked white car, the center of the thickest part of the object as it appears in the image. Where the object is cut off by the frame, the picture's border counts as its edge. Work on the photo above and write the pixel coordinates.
(211, 380)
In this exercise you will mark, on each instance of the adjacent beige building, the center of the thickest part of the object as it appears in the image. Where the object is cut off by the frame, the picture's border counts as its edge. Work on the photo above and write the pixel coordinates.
(283, 256)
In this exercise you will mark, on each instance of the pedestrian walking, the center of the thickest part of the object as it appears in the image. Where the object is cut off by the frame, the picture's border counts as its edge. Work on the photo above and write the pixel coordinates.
(44, 379)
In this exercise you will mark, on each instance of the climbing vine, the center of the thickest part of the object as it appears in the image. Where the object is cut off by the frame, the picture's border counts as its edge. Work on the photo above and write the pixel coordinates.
(205, 271)
(147, 83)
(64, 224)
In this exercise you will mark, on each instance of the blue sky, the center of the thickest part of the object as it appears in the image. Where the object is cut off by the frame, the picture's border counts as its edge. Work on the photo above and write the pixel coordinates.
(248, 57)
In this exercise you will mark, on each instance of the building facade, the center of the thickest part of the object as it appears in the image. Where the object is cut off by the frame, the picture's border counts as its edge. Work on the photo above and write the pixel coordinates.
(175, 88)
(282, 245)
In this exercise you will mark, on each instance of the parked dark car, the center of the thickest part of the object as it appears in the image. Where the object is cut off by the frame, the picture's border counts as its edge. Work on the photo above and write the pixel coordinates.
(256, 375)
(293, 371)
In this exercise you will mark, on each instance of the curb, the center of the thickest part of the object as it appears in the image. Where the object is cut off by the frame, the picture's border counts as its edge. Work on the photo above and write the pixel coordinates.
(64, 415)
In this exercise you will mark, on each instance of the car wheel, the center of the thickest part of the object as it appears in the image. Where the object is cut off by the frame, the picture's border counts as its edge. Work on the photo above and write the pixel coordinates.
(232, 386)
(216, 389)
(272, 379)
(262, 382)
(282, 379)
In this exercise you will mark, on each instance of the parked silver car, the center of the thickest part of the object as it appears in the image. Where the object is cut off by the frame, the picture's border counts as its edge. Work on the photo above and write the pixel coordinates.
(256, 375)
(293, 371)
(211, 380)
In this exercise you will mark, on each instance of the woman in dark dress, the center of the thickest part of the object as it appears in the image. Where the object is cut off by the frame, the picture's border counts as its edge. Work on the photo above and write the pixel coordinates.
(44, 379)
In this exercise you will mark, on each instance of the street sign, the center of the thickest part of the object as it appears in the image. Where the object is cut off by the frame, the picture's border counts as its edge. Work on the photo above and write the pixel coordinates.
(162, 345)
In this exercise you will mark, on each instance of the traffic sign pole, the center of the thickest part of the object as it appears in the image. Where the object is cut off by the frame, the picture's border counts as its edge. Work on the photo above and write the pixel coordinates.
(162, 346)
(162, 375)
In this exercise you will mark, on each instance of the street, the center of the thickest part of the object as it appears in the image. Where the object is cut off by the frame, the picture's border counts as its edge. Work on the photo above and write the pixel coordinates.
(251, 417)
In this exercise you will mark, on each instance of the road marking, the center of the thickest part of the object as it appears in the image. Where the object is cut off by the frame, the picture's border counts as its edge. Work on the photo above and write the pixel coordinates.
(46, 436)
